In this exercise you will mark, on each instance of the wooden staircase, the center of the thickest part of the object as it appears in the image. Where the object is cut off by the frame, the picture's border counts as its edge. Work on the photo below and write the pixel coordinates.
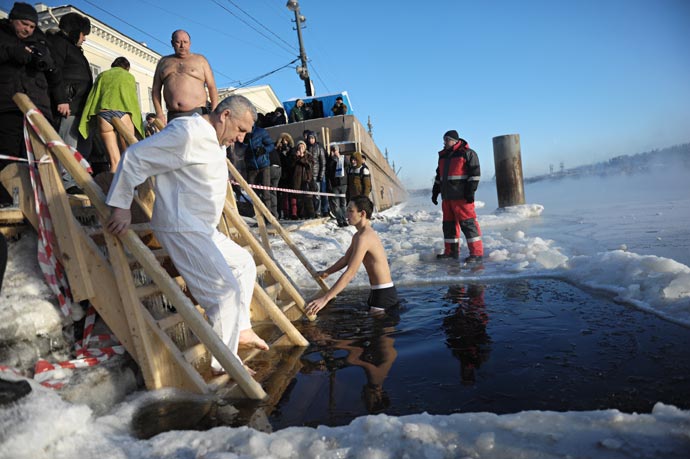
(135, 288)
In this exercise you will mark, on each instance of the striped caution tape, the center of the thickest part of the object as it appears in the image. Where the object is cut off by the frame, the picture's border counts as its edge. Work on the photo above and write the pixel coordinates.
(46, 373)
(53, 374)
(288, 190)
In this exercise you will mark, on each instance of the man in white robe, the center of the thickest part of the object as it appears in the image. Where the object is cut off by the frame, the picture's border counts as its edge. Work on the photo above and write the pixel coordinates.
(187, 159)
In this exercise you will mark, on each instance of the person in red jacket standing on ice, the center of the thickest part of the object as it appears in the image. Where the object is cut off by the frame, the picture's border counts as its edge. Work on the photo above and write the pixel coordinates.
(457, 178)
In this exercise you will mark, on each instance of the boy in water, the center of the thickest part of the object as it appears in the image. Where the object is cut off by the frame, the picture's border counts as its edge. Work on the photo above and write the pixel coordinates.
(366, 248)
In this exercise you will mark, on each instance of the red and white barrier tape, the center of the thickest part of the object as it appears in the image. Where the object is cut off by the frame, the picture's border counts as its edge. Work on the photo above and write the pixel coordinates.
(46, 373)
(52, 374)
(287, 190)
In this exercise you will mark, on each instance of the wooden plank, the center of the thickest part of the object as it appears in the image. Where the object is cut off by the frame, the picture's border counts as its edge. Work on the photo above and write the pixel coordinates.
(64, 225)
(16, 176)
(261, 223)
(279, 318)
(133, 313)
(159, 359)
(145, 196)
(11, 216)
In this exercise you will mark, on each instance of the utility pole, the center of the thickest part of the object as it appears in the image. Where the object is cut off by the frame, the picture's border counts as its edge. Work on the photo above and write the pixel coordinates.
(302, 71)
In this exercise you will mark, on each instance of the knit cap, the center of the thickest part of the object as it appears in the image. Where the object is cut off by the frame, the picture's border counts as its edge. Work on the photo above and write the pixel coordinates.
(453, 134)
(24, 11)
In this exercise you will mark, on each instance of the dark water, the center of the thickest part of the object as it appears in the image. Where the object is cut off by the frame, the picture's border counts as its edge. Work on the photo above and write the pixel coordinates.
(498, 347)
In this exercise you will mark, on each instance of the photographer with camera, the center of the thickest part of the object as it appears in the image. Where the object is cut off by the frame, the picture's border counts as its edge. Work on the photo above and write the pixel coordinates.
(26, 66)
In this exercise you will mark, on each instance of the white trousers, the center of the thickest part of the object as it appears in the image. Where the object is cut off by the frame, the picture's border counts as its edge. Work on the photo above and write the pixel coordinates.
(221, 276)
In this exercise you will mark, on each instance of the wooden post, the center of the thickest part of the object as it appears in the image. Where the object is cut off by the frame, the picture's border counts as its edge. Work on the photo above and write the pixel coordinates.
(65, 225)
(508, 165)
(145, 196)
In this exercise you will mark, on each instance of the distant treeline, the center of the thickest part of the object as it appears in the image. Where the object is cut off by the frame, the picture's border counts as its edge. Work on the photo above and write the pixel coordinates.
(675, 156)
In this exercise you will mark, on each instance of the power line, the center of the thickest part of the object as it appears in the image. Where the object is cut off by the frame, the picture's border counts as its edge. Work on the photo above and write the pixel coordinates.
(252, 27)
(255, 20)
(122, 20)
(142, 31)
(255, 79)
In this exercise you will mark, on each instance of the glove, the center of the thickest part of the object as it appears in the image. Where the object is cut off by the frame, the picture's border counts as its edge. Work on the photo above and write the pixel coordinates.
(470, 188)
(435, 192)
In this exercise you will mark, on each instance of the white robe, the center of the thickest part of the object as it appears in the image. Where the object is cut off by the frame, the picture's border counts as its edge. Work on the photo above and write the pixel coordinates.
(190, 183)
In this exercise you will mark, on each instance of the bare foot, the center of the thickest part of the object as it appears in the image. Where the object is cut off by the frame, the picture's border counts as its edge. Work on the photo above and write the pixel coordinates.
(249, 339)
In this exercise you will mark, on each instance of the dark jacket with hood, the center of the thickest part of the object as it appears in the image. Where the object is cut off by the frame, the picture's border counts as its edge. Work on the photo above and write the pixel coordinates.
(74, 69)
(260, 145)
(21, 71)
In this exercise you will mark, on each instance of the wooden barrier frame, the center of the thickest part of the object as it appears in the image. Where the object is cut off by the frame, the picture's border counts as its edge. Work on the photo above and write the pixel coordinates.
(151, 266)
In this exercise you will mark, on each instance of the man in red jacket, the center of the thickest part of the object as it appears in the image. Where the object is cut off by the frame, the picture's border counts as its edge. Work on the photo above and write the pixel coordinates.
(457, 178)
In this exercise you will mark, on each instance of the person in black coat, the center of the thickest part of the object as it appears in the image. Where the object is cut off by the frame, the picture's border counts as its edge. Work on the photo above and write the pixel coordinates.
(26, 66)
(75, 83)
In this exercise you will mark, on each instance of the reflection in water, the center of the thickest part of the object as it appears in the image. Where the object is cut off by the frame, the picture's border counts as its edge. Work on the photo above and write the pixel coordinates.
(343, 338)
(465, 329)
(375, 354)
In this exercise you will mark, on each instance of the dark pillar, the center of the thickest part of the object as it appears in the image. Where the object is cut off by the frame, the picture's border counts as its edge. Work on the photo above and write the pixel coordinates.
(508, 165)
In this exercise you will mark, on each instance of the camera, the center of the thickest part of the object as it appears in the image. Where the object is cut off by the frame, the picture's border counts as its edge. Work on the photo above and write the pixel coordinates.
(40, 57)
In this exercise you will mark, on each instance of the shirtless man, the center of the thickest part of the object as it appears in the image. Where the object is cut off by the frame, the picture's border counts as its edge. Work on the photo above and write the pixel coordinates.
(366, 248)
(184, 78)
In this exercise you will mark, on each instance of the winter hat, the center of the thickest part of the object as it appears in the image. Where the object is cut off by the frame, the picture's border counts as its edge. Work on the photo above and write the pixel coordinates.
(453, 134)
(73, 24)
(24, 11)
(311, 134)
(301, 142)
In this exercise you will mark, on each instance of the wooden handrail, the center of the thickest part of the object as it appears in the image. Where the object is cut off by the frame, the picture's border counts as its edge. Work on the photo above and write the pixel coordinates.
(258, 204)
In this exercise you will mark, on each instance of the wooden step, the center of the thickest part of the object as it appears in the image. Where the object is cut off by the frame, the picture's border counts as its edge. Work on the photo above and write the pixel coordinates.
(11, 216)
(153, 289)
(172, 320)
(195, 353)
(273, 290)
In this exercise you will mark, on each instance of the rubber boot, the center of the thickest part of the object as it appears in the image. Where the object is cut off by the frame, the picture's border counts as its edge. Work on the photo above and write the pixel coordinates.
(452, 251)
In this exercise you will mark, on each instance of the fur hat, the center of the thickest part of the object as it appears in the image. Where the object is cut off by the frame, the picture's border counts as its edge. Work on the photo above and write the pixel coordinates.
(453, 134)
(24, 11)
(72, 24)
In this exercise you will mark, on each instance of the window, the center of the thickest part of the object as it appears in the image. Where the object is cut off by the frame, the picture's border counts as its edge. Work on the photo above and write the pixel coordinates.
(95, 70)
(151, 100)
(138, 94)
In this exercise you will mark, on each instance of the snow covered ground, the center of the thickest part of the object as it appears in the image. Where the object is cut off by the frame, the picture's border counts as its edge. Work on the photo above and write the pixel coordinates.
(610, 235)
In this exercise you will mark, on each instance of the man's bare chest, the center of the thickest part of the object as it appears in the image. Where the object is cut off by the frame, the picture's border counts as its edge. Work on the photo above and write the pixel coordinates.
(178, 67)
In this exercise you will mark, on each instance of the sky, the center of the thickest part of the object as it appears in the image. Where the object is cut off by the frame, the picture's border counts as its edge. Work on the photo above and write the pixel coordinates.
(580, 82)
(612, 253)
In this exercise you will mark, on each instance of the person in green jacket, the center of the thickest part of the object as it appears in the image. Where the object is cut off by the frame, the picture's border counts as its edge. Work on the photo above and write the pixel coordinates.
(114, 95)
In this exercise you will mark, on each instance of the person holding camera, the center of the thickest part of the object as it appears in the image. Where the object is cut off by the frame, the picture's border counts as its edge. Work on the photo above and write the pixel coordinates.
(26, 66)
